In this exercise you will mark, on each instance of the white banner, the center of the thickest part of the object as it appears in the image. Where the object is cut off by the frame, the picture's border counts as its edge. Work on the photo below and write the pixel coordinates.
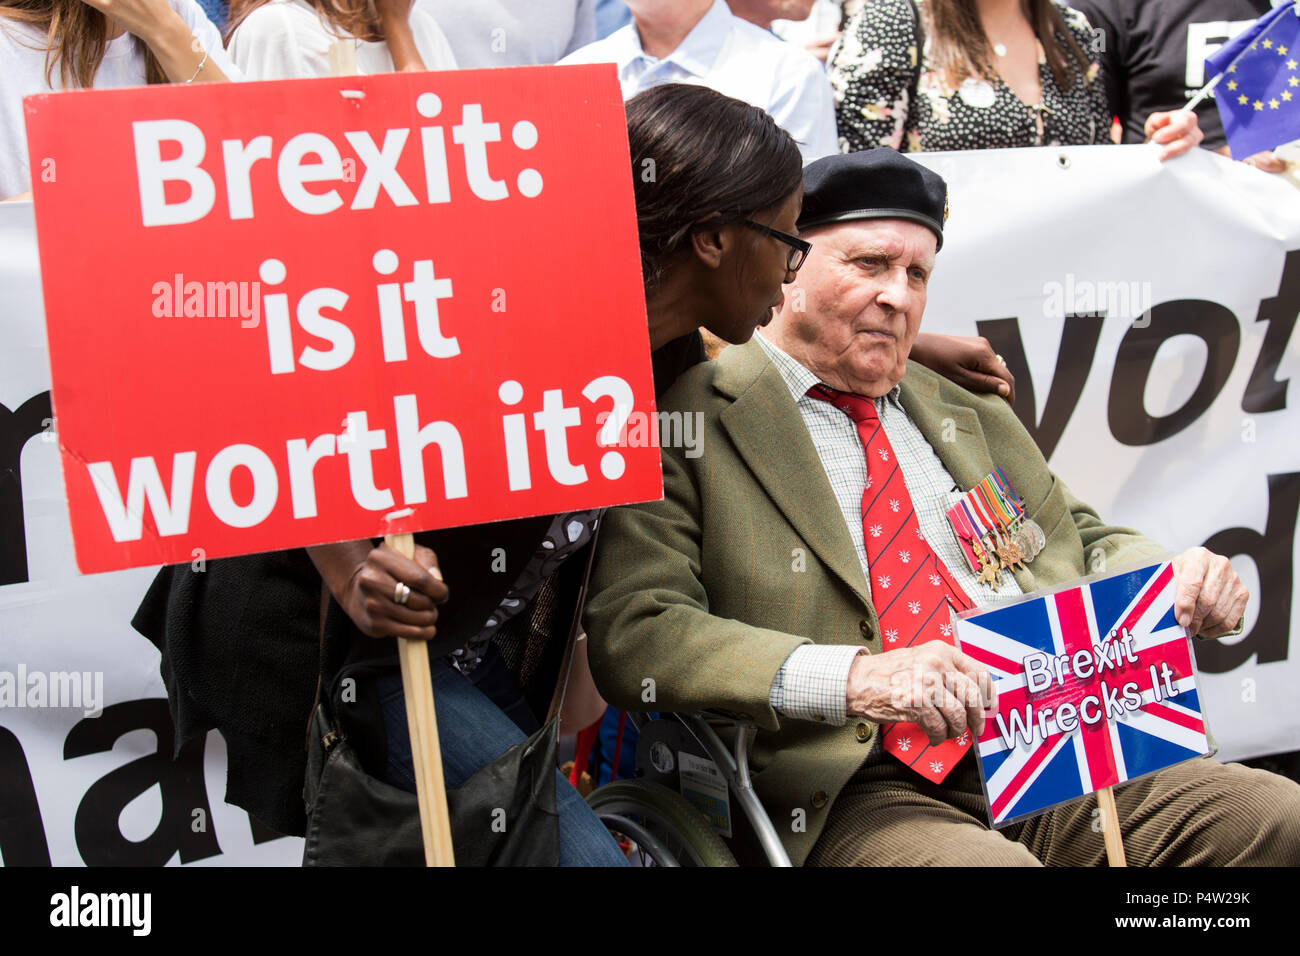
(77, 788)
(1172, 413)
(1147, 311)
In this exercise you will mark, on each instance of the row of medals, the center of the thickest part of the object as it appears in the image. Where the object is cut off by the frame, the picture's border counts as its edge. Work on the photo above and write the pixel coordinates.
(1005, 549)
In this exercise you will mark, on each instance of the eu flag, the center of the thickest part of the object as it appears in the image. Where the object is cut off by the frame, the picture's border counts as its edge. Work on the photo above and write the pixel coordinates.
(1259, 94)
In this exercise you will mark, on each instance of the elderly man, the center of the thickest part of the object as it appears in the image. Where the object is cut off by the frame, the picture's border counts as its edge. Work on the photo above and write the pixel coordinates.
(767, 580)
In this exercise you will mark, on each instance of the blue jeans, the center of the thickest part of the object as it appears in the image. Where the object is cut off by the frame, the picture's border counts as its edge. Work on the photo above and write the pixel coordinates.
(473, 731)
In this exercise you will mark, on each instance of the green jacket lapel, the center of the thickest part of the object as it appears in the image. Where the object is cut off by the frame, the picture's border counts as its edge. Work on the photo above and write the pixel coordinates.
(770, 435)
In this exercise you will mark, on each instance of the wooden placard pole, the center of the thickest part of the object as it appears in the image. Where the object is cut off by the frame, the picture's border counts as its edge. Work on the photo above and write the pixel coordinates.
(426, 754)
(1110, 827)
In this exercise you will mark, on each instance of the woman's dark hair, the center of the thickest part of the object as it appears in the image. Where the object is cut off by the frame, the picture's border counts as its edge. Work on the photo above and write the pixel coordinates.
(696, 152)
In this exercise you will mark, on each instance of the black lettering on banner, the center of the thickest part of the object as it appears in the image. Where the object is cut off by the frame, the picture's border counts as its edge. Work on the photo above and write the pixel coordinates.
(99, 838)
(22, 832)
(1215, 324)
(16, 428)
(1271, 552)
(1264, 393)
(1079, 339)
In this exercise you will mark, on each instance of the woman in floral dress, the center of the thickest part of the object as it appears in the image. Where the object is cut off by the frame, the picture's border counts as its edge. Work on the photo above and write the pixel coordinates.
(932, 75)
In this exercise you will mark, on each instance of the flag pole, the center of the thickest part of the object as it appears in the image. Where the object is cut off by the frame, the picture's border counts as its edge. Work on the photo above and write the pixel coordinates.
(422, 722)
(1202, 94)
(1110, 827)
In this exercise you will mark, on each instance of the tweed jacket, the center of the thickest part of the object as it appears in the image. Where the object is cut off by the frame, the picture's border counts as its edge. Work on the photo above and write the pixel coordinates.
(697, 600)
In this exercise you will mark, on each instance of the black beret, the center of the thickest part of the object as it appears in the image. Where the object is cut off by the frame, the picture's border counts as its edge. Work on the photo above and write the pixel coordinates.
(873, 184)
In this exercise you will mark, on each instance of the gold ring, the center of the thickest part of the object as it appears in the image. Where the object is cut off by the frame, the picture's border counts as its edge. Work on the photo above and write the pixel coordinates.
(401, 593)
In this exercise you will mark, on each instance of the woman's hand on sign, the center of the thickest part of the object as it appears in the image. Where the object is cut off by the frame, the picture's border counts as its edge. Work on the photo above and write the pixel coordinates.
(932, 685)
(374, 600)
(967, 360)
(1209, 598)
(1178, 132)
(364, 580)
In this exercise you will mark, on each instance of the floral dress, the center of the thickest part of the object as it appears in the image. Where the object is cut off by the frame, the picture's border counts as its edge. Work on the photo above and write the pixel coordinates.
(874, 72)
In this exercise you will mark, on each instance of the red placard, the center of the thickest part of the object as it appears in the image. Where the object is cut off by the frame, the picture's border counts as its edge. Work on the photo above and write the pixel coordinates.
(279, 312)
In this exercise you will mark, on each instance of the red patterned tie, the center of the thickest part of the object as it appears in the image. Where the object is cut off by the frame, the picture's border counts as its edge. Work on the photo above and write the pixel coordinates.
(910, 586)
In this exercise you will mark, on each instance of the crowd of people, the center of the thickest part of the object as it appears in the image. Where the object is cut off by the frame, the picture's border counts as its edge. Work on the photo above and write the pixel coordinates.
(909, 74)
(772, 179)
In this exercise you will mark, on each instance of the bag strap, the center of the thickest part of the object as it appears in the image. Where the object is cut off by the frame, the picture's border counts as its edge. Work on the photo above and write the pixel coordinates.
(566, 663)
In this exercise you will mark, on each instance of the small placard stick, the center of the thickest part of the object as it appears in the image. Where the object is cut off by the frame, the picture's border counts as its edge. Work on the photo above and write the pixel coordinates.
(421, 720)
(1110, 827)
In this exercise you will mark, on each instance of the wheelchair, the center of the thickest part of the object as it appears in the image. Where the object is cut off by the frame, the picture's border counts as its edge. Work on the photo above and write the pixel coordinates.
(650, 815)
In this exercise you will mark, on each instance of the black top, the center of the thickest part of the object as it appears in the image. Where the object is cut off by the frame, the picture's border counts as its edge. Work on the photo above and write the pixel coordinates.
(1154, 54)
(242, 649)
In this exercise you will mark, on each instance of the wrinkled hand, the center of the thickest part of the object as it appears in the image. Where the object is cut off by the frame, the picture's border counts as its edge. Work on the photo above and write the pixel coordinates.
(968, 361)
(1209, 597)
(932, 685)
(1178, 132)
(370, 594)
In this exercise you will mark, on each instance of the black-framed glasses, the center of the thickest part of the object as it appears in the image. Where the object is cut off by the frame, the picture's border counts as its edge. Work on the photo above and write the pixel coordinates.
(799, 248)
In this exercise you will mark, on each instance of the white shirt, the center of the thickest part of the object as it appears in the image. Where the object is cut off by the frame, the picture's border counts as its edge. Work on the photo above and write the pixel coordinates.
(288, 39)
(738, 59)
(490, 33)
(22, 73)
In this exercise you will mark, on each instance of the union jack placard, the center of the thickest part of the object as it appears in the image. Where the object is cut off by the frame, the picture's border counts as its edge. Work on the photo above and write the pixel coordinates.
(1096, 687)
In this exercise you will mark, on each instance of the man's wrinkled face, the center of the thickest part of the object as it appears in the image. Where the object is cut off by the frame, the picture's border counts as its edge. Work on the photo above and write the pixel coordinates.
(855, 309)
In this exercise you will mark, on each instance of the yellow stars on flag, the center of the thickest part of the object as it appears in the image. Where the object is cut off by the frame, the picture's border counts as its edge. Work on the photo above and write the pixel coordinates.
(1268, 45)
(1243, 99)
(1258, 105)
(1291, 64)
(1286, 95)
(1272, 104)
(1281, 51)
(1232, 85)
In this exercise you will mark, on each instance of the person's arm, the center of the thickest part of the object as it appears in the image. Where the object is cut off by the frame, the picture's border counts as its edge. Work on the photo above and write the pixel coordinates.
(364, 580)
(968, 361)
(652, 643)
(395, 22)
(182, 56)
(873, 74)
